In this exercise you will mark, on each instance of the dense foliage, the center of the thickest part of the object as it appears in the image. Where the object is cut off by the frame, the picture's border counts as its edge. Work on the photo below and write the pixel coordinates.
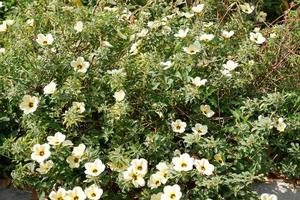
(196, 101)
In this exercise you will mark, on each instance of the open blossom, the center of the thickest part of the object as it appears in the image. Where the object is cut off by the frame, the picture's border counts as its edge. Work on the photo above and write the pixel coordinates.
(182, 33)
(79, 150)
(93, 192)
(192, 49)
(75, 194)
(73, 161)
(257, 37)
(230, 65)
(94, 168)
(164, 171)
(204, 167)
(197, 81)
(178, 126)
(227, 34)
(44, 40)
(57, 139)
(206, 110)
(247, 8)
(199, 129)
(78, 26)
(29, 104)
(40, 152)
(59, 195)
(156, 196)
(171, 193)
(183, 163)
(50, 88)
(155, 180)
(136, 179)
(140, 166)
(1, 4)
(262, 16)
(266, 196)
(80, 65)
(45, 167)
(198, 8)
(78, 107)
(281, 125)
(119, 95)
(206, 37)
(143, 33)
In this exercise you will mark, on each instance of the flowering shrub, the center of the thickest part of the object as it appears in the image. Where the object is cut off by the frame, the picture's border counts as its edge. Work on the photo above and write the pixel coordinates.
(163, 101)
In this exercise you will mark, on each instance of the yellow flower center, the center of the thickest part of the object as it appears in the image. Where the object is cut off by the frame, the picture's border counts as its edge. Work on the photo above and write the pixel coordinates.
(79, 66)
(76, 198)
(183, 165)
(76, 160)
(93, 194)
(41, 153)
(95, 171)
(45, 42)
(134, 177)
(139, 168)
(30, 105)
(172, 196)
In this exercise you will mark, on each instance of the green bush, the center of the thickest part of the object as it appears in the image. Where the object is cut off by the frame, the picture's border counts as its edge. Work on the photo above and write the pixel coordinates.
(150, 99)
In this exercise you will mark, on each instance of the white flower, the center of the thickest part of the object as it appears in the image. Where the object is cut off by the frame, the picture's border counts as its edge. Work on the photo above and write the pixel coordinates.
(59, 195)
(45, 167)
(94, 168)
(183, 163)
(171, 193)
(50, 88)
(281, 125)
(57, 139)
(3, 27)
(134, 48)
(78, 27)
(197, 81)
(115, 71)
(206, 37)
(78, 107)
(230, 65)
(1, 4)
(73, 161)
(198, 8)
(29, 104)
(75, 194)
(247, 8)
(80, 65)
(79, 150)
(153, 24)
(178, 126)
(182, 33)
(164, 171)
(45, 39)
(143, 33)
(140, 166)
(199, 129)
(266, 196)
(262, 16)
(258, 38)
(273, 35)
(2, 50)
(136, 179)
(207, 111)
(155, 180)
(187, 14)
(265, 122)
(156, 196)
(119, 95)
(192, 49)
(256, 29)
(167, 64)
(40, 152)
(30, 22)
(204, 167)
(227, 34)
(93, 192)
